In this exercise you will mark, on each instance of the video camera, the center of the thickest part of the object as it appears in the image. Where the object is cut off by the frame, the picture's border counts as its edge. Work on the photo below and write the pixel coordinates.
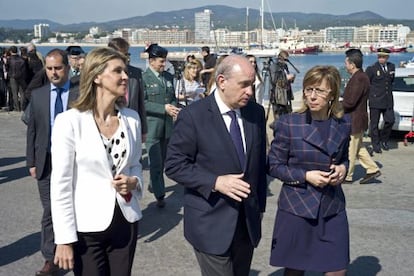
(178, 68)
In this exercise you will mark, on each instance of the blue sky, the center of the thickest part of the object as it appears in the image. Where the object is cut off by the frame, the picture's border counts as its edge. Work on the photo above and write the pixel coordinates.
(76, 11)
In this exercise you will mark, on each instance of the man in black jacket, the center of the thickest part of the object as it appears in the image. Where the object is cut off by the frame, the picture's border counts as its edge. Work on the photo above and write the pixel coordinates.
(18, 75)
(381, 75)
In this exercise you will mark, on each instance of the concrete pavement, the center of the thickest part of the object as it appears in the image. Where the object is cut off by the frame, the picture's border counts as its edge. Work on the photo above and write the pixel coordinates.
(381, 217)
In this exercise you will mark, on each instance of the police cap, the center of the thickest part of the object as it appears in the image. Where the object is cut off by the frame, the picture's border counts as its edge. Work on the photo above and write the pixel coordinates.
(154, 51)
(383, 52)
(74, 50)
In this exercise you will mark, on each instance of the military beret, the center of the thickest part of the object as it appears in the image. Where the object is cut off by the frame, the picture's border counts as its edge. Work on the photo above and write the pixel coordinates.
(154, 51)
(383, 51)
(74, 50)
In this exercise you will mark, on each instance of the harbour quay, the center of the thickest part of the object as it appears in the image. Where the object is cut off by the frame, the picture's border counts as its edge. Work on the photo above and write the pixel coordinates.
(381, 218)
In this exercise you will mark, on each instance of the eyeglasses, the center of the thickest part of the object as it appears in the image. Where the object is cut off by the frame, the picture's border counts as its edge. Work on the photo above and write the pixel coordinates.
(320, 92)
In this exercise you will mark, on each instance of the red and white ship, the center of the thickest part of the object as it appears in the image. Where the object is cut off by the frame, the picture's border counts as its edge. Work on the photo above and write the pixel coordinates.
(295, 46)
(394, 48)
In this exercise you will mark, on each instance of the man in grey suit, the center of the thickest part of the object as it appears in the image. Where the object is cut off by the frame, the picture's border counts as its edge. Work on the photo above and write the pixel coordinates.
(217, 151)
(46, 102)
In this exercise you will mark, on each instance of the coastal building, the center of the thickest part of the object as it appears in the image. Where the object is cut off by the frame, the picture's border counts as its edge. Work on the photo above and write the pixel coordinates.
(202, 26)
(41, 30)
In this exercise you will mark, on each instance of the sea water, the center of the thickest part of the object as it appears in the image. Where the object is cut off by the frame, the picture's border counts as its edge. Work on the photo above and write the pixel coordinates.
(301, 62)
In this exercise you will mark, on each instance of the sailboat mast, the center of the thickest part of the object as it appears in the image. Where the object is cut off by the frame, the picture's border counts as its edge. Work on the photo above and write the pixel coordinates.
(247, 28)
(262, 25)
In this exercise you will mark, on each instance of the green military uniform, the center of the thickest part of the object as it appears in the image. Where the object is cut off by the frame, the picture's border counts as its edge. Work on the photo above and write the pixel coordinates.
(158, 91)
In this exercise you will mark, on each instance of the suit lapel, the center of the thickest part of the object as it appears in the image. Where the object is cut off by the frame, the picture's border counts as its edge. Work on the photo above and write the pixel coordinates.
(336, 138)
(219, 124)
(312, 136)
(248, 130)
(125, 126)
(95, 140)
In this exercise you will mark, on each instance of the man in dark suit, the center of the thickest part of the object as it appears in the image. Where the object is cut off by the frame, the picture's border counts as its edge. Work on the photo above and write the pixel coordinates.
(355, 102)
(381, 75)
(218, 153)
(135, 92)
(46, 102)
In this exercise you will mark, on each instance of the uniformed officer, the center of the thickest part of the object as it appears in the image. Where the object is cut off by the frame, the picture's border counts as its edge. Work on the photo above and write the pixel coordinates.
(381, 75)
(160, 105)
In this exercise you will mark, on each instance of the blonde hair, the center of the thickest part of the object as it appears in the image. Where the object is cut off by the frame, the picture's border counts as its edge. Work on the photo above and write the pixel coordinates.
(331, 75)
(94, 65)
(190, 65)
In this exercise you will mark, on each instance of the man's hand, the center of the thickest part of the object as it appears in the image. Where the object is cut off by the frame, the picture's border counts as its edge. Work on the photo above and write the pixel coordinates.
(32, 172)
(172, 110)
(232, 186)
(64, 256)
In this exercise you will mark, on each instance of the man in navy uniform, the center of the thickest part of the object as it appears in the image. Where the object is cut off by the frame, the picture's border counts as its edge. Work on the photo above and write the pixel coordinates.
(381, 75)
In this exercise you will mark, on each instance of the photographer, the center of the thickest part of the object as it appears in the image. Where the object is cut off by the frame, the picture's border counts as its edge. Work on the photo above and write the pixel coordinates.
(188, 88)
(281, 94)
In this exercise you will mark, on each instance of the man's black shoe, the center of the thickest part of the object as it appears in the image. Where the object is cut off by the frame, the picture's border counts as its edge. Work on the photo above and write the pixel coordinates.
(369, 176)
(384, 146)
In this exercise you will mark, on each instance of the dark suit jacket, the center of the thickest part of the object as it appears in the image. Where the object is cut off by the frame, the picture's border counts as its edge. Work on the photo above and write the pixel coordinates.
(355, 100)
(136, 95)
(298, 148)
(38, 128)
(380, 93)
(200, 150)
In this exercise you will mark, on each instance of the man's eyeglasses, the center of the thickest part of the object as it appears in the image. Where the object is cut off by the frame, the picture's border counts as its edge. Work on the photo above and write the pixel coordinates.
(320, 92)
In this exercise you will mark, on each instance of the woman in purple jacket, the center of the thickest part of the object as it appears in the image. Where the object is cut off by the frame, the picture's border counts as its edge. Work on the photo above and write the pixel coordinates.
(309, 154)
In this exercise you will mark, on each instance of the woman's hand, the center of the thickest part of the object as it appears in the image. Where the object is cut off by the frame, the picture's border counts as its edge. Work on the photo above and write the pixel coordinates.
(317, 178)
(123, 184)
(64, 256)
(338, 175)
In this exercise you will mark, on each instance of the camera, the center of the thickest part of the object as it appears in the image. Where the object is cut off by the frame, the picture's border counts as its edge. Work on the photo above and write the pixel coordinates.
(178, 68)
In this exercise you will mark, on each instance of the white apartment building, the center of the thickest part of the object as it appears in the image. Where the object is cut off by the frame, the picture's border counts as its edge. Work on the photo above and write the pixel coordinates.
(41, 30)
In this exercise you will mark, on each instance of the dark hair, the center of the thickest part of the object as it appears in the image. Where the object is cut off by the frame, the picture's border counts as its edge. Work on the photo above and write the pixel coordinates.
(206, 49)
(119, 44)
(13, 49)
(354, 56)
(61, 53)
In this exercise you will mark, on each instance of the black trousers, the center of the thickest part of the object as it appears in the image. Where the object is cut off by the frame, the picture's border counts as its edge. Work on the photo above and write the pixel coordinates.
(110, 252)
(378, 136)
(236, 261)
(47, 236)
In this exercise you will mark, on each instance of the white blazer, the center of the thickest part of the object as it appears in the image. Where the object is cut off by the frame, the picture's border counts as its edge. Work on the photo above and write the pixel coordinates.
(82, 195)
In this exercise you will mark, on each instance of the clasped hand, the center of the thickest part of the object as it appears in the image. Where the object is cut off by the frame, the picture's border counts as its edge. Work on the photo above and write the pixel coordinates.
(123, 184)
(232, 186)
(322, 178)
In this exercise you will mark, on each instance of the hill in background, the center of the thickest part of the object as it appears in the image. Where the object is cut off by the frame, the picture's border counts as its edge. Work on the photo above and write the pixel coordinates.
(223, 17)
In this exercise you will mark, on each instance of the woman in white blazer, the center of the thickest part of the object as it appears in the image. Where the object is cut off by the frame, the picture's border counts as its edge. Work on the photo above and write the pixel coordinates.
(96, 181)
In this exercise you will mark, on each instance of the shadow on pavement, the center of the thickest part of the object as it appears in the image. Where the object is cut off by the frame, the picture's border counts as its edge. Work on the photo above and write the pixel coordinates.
(13, 174)
(361, 266)
(20, 249)
(157, 222)
(11, 160)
